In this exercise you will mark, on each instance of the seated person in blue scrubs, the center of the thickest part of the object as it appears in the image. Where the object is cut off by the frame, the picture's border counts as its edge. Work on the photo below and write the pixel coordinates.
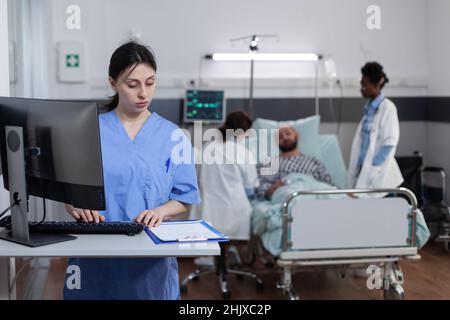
(143, 182)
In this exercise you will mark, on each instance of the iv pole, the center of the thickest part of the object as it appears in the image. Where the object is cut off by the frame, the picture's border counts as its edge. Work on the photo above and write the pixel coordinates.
(254, 42)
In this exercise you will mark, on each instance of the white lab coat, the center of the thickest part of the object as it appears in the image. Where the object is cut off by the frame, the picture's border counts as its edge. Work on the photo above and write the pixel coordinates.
(222, 187)
(385, 131)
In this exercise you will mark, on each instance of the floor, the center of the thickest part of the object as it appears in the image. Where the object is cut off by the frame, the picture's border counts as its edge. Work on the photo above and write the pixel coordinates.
(428, 278)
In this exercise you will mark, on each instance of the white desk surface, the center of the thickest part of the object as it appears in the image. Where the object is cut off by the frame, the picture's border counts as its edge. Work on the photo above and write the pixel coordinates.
(139, 245)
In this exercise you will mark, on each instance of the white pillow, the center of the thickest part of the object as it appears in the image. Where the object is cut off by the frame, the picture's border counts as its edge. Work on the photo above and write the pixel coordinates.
(308, 129)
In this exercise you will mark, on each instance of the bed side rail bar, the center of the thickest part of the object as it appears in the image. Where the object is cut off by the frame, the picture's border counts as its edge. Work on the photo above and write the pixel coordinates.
(287, 219)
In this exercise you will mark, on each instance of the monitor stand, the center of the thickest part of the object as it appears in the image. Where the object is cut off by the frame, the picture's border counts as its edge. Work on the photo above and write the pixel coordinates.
(36, 239)
(20, 232)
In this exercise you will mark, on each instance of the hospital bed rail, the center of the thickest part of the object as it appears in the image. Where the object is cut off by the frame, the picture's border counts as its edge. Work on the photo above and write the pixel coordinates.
(388, 256)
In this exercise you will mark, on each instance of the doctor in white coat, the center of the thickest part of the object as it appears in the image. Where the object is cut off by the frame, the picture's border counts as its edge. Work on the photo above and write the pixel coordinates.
(227, 180)
(372, 162)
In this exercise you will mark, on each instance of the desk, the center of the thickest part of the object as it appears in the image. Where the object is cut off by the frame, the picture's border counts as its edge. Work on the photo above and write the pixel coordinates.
(102, 246)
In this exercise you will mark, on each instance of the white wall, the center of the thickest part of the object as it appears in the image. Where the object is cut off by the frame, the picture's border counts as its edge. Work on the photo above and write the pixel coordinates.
(181, 32)
(4, 80)
(4, 49)
(6, 266)
(438, 146)
(438, 43)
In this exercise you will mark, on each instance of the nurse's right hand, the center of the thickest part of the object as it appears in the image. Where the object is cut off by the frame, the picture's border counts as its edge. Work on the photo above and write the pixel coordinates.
(84, 215)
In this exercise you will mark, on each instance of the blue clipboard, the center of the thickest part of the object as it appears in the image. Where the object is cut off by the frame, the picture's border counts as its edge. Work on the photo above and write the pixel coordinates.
(220, 237)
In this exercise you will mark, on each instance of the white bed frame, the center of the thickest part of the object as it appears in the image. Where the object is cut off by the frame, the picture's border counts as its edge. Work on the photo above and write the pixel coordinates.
(349, 232)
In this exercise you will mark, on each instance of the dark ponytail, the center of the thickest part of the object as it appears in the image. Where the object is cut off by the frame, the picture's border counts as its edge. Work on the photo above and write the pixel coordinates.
(234, 121)
(112, 103)
(128, 55)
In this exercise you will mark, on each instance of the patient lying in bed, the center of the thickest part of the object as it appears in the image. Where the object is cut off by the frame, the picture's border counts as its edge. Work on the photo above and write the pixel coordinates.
(289, 161)
(295, 172)
(267, 215)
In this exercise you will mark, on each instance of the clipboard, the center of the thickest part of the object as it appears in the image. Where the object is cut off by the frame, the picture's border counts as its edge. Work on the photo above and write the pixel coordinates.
(186, 231)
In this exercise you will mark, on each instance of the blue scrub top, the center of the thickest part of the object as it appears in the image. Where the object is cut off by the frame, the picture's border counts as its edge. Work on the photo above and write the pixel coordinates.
(139, 174)
(369, 115)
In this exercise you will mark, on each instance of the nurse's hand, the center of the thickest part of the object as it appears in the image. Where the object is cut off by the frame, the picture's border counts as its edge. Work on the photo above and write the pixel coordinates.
(84, 215)
(151, 218)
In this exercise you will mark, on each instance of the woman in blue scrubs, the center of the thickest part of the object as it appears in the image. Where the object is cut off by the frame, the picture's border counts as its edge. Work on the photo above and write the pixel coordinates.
(143, 182)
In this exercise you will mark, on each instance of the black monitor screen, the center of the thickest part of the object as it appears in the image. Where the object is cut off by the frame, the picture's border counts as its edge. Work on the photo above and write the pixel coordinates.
(204, 105)
(62, 149)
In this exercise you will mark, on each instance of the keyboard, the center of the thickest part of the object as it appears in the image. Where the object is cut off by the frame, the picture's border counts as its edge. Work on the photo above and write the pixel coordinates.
(128, 228)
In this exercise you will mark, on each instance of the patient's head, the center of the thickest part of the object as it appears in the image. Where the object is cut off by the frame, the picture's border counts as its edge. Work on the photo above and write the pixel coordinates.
(287, 139)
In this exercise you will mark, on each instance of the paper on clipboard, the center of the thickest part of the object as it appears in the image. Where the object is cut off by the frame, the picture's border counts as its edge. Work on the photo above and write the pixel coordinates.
(179, 231)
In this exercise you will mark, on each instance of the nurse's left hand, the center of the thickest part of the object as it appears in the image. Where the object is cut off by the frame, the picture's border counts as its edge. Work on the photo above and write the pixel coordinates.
(150, 218)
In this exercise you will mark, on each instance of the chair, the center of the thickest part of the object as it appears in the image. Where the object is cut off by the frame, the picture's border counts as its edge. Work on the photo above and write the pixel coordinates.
(221, 269)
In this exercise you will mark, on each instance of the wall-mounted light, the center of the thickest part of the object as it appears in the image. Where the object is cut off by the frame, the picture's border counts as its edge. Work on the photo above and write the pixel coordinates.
(253, 56)
(311, 57)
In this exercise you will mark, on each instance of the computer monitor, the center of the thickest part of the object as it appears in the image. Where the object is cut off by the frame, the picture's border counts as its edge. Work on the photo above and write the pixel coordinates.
(50, 149)
(204, 105)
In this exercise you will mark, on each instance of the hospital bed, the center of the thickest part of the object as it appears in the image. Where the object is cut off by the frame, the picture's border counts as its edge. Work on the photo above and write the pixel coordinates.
(345, 233)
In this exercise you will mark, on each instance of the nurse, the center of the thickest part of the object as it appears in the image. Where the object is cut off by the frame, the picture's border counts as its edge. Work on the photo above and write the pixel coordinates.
(142, 183)
(228, 179)
(372, 162)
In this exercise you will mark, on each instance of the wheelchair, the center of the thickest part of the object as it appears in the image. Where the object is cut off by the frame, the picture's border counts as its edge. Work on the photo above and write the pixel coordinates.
(429, 186)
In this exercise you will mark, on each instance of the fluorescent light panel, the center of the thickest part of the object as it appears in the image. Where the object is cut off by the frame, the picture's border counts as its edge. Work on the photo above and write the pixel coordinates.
(265, 56)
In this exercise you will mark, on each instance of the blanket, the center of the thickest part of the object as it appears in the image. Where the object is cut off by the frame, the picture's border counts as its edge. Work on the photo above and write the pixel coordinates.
(267, 215)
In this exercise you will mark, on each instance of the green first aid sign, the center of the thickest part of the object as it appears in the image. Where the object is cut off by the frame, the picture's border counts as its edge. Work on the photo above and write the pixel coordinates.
(72, 60)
